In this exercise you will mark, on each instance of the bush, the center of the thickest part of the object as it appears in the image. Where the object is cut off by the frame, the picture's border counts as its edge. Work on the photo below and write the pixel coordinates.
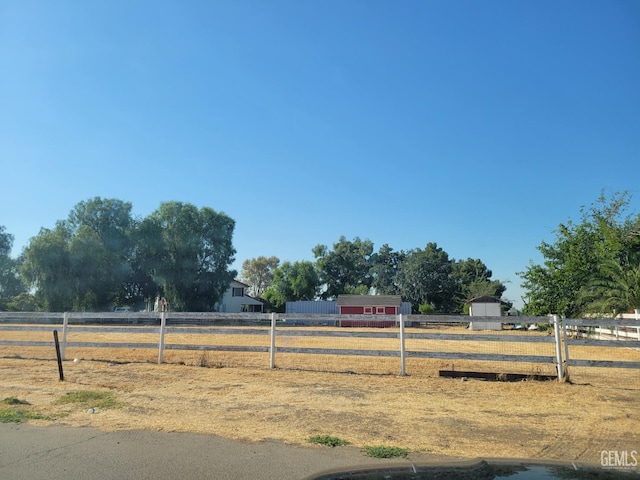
(426, 309)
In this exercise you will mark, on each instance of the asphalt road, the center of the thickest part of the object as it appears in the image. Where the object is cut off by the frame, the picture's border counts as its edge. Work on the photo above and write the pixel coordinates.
(64, 453)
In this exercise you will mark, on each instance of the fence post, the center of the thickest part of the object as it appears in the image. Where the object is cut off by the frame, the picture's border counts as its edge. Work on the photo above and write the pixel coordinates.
(163, 323)
(65, 322)
(58, 355)
(637, 310)
(556, 331)
(403, 370)
(272, 349)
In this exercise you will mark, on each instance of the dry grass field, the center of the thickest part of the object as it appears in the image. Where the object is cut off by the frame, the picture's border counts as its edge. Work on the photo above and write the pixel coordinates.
(360, 399)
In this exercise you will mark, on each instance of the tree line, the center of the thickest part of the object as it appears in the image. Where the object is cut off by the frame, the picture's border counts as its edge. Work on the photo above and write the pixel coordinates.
(101, 257)
(426, 277)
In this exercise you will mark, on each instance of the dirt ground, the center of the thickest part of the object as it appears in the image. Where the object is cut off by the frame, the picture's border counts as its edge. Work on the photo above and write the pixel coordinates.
(529, 419)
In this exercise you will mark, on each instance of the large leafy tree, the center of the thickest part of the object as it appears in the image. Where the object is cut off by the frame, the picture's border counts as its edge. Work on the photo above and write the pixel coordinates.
(425, 277)
(83, 263)
(615, 289)
(10, 282)
(582, 255)
(292, 282)
(258, 273)
(474, 280)
(346, 268)
(188, 252)
(47, 269)
(384, 267)
(101, 249)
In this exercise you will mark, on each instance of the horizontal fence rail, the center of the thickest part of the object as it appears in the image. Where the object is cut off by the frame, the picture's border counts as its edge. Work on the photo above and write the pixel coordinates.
(274, 329)
(580, 332)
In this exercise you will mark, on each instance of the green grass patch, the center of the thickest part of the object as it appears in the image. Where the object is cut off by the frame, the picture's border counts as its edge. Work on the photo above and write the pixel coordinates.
(385, 452)
(14, 401)
(88, 398)
(328, 440)
(18, 411)
(15, 415)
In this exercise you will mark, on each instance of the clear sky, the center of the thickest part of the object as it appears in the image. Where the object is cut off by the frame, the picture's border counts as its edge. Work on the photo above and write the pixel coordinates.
(478, 125)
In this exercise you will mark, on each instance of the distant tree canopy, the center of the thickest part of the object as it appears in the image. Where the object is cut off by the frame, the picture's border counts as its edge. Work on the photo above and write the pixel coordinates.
(293, 282)
(188, 253)
(421, 276)
(258, 273)
(100, 257)
(592, 266)
(11, 284)
(345, 268)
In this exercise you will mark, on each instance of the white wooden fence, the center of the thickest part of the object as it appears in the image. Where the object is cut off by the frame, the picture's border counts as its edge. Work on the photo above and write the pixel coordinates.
(582, 332)
(276, 326)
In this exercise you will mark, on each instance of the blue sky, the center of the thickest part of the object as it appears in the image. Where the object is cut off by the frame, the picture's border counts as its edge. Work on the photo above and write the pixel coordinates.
(477, 125)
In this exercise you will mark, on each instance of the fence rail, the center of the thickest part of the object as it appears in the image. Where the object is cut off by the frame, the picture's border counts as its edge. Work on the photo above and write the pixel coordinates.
(275, 328)
(576, 332)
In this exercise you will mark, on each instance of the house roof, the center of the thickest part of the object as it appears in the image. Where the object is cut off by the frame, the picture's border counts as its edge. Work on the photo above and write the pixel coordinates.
(486, 299)
(238, 281)
(374, 300)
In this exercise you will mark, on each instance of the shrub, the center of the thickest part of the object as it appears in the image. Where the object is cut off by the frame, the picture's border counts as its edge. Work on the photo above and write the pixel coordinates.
(426, 309)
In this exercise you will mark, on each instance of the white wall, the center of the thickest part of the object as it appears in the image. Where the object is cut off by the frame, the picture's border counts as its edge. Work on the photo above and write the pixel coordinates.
(485, 310)
(231, 304)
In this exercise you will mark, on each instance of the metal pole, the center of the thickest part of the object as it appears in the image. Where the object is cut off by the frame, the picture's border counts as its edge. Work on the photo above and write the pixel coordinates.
(272, 350)
(163, 323)
(403, 369)
(637, 310)
(55, 340)
(556, 330)
(65, 323)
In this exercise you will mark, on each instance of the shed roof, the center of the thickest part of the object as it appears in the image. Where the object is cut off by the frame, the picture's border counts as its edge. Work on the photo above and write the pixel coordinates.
(486, 299)
(373, 300)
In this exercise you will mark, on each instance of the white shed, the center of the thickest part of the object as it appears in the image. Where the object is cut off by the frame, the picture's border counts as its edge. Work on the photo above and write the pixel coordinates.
(485, 306)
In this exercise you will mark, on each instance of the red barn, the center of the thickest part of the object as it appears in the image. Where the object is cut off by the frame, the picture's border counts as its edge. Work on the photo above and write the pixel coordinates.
(369, 305)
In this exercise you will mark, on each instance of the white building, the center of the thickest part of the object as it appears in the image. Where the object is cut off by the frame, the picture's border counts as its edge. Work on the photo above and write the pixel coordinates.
(485, 307)
(236, 300)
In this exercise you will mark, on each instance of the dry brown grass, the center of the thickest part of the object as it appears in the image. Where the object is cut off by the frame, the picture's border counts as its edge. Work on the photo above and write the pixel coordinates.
(422, 412)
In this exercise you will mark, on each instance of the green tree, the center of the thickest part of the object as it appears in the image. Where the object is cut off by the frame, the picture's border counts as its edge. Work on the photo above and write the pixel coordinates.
(578, 256)
(292, 282)
(425, 277)
(384, 267)
(258, 273)
(615, 289)
(188, 253)
(474, 280)
(10, 282)
(83, 263)
(47, 269)
(345, 268)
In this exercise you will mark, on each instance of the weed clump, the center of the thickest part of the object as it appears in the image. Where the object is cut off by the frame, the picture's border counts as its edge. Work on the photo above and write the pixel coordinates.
(327, 440)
